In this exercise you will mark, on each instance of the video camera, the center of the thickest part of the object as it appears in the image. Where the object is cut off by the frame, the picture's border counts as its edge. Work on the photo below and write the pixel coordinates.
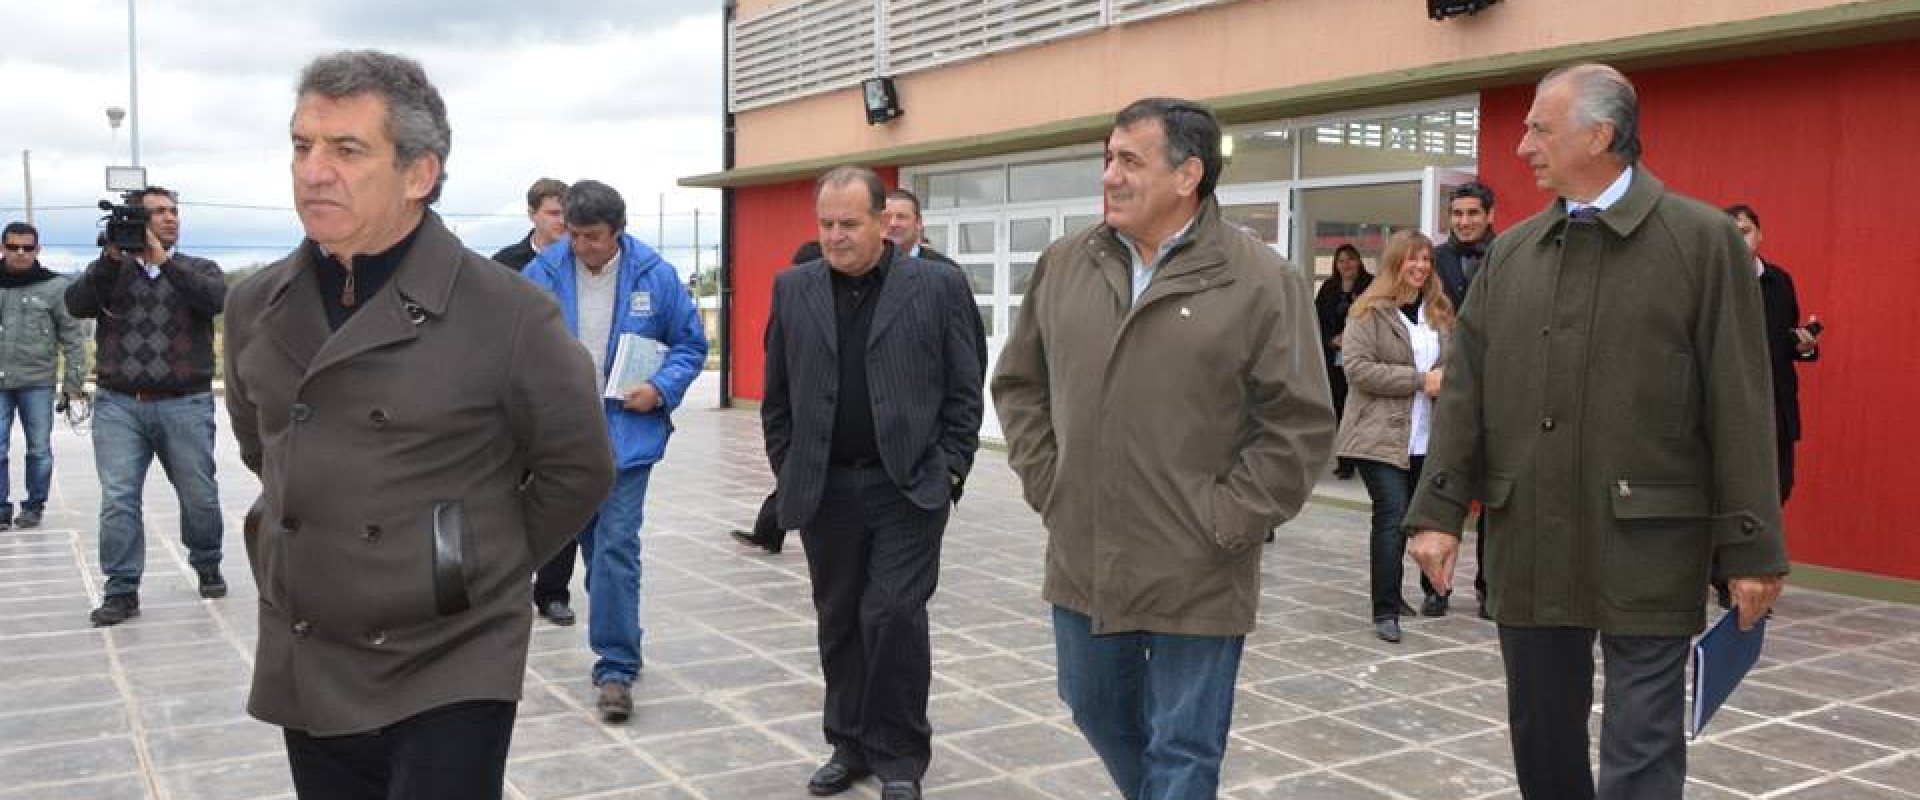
(126, 223)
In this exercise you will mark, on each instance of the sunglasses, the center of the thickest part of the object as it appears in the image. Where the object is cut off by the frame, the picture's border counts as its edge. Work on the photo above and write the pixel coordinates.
(23, 248)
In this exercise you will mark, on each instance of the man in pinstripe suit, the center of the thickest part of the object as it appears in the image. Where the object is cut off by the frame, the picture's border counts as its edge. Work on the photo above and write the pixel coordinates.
(871, 416)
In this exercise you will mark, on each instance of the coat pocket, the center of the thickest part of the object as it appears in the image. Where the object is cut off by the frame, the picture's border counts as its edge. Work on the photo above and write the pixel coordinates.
(449, 559)
(1656, 554)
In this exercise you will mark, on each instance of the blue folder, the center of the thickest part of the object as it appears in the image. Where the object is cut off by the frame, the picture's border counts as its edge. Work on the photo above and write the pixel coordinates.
(1720, 659)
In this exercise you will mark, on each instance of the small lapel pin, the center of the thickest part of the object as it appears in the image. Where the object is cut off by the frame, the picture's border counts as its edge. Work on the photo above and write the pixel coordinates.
(1186, 312)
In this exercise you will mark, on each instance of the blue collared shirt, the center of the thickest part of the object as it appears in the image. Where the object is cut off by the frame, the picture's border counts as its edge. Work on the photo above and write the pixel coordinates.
(1143, 272)
(1613, 193)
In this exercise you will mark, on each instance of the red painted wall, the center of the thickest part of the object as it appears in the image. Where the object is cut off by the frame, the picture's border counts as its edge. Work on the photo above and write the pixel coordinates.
(769, 223)
(1822, 145)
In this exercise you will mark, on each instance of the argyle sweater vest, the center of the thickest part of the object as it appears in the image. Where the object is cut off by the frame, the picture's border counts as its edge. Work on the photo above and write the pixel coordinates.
(151, 340)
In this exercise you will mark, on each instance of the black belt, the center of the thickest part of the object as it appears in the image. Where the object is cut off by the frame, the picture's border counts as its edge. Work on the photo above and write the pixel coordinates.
(153, 395)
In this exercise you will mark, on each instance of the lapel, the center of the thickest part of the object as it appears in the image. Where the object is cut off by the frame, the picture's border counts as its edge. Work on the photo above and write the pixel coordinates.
(420, 288)
(896, 293)
(293, 319)
(816, 301)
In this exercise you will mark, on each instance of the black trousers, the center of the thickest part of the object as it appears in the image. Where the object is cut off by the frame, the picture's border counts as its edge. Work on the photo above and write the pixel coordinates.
(550, 582)
(455, 752)
(874, 558)
(1643, 749)
(766, 526)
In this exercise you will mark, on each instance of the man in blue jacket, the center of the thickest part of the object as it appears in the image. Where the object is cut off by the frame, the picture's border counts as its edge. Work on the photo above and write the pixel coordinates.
(618, 294)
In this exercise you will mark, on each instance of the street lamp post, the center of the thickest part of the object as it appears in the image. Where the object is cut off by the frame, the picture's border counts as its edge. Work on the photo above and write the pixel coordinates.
(133, 84)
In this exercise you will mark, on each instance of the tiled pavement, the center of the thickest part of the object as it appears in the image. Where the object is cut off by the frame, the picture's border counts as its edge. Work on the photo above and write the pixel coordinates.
(728, 701)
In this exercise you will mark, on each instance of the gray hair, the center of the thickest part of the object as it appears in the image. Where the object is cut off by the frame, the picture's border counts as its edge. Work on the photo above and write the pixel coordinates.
(1191, 130)
(595, 203)
(841, 176)
(416, 116)
(1602, 94)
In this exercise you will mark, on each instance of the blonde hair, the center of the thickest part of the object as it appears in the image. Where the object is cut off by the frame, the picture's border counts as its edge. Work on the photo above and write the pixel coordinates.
(1388, 291)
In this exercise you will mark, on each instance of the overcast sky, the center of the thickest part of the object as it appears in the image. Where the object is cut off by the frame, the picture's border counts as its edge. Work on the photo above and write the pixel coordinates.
(619, 91)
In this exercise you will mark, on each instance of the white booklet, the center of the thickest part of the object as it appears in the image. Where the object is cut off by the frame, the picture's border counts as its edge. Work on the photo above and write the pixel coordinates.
(635, 359)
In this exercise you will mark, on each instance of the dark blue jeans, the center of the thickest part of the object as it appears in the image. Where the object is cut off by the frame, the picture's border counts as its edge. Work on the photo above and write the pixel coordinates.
(35, 407)
(127, 436)
(1391, 489)
(1156, 707)
(610, 546)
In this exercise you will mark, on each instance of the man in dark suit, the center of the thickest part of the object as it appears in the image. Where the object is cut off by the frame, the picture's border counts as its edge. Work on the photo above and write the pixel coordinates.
(767, 534)
(545, 199)
(906, 230)
(871, 417)
(1788, 342)
(1455, 262)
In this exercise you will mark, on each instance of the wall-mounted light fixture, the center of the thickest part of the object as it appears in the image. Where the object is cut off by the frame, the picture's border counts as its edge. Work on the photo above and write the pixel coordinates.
(1442, 9)
(882, 100)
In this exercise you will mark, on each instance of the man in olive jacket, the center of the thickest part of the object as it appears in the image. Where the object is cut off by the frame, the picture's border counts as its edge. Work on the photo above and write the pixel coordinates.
(1607, 401)
(1165, 405)
(426, 432)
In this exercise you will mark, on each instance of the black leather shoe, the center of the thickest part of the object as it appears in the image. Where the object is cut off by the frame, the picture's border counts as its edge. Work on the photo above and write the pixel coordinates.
(1434, 606)
(1388, 629)
(211, 584)
(615, 702)
(900, 790)
(557, 613)
(835, 777)
(115, 609)
(748, 539)
(28, 518)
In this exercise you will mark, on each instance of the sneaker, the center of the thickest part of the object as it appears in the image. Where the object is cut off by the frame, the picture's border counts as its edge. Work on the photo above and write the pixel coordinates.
(211, 584)
(615, 703)
(115, 609)
(1387, 628)
(28, 518)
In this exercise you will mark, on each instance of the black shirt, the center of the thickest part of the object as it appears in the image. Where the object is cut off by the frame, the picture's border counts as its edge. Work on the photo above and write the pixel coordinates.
(854, 443)
(370, 272)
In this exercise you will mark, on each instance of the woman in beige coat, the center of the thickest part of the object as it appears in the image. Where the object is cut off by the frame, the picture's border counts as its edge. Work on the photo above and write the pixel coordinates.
(1394, 348)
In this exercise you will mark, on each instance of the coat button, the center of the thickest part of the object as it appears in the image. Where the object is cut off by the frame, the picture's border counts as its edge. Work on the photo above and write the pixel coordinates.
(302, 627)
(1546, 423)
(378, 417)
(370, 533)
(302, 412)
(376, 638)
(289, 524)
(1749, 526)
(1546, 331)
(1440, 481)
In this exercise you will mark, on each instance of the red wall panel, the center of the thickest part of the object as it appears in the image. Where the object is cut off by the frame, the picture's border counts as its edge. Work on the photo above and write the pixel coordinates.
(1822, 146)
(769, 223)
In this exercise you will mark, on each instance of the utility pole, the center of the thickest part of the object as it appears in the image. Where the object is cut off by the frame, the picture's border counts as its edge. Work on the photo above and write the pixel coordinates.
(696, 245)
(26, 174)
(133, 82)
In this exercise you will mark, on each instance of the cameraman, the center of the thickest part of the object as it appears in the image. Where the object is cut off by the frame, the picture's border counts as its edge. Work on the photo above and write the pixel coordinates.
(153, 361)
(35, 331)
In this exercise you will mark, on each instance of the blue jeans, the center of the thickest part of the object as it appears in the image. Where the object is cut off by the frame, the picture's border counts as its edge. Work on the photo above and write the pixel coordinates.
(35, 407)
(1155, 706)
(1391, 489)
(127, 436)
(610, 545)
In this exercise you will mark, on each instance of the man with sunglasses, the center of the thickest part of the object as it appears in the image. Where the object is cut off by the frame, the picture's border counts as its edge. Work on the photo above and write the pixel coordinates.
(35, 333)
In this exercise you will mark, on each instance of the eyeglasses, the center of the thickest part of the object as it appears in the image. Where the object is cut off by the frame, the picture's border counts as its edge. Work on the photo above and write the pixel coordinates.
(23, 248)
